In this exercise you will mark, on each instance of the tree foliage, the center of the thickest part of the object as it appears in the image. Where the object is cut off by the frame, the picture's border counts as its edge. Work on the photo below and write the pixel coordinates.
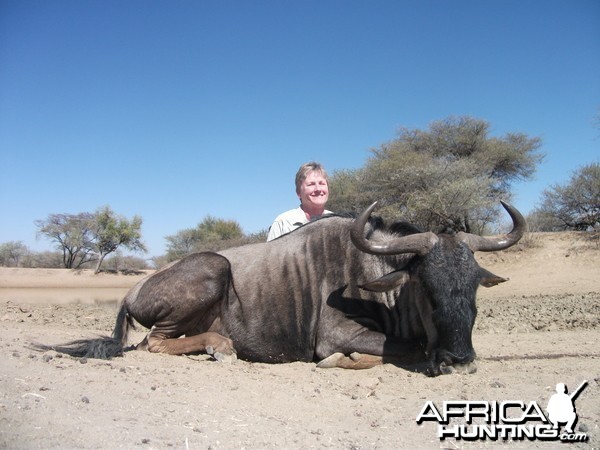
(87, 237)
(127, 264)
(112, 231)
(212, 234)
(43, 260)
(449, 176)
(12, 253)
(575, 205)
(72, 235)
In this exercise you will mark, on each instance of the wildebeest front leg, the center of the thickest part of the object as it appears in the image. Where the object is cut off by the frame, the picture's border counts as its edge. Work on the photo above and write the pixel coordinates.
(365, 349)
(220, 347)
(354, 361)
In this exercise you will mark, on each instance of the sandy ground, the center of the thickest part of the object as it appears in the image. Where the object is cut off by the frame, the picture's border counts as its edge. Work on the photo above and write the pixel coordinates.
(540, 328)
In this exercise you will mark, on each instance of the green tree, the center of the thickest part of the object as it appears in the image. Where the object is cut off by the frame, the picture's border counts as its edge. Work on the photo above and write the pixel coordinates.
(182, 243)
(449, 176)
(85, 237)
(575, 205)
(212, 229)
(112, 231)
(348, 191)
(212, 234)
(72, 235)
(256, 237)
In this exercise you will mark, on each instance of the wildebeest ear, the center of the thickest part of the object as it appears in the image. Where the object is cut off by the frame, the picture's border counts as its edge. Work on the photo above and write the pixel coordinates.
(488, 279)
(387, 282)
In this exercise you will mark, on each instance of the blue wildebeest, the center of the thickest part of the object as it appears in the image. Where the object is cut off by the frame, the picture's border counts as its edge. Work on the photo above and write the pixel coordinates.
(349, 292)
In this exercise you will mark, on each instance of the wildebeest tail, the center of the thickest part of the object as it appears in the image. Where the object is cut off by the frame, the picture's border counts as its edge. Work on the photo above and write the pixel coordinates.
(102, 347)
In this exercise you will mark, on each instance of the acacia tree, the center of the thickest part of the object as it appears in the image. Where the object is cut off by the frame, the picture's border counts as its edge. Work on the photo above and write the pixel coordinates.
(85, 237)
(112, 231)
(73, 236)
(449, 176)
(575, 205)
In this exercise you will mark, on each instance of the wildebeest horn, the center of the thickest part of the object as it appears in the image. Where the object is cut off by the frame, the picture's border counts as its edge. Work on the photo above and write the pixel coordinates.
(419, 243)
(492, 244)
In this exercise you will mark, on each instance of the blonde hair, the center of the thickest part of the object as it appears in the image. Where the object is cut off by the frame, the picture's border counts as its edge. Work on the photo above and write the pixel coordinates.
(307, 168)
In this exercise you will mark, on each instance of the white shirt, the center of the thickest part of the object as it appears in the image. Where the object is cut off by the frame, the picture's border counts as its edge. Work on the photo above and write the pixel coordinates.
(289, 221)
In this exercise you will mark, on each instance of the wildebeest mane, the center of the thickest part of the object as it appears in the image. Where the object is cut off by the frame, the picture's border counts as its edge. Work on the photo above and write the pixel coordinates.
(377, 223)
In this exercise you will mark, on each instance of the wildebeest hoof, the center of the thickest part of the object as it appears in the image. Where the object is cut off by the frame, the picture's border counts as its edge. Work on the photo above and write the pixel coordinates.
(446, 370)
(331, 361)
(221, 356)
(435, 370)
(142, 345)
(224, 358)
(466, 369)
(355, 356)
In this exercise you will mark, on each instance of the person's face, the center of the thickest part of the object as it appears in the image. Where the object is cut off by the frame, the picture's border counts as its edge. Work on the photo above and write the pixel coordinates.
(314, 191)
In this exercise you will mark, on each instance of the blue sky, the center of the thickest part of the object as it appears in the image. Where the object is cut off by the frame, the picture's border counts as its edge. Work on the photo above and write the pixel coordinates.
(182, 109)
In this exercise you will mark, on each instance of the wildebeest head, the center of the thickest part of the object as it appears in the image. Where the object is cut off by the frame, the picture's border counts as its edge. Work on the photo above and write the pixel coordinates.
(446, 277)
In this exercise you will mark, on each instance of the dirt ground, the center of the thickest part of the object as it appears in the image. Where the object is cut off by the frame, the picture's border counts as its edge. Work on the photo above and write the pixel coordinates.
(539, 329)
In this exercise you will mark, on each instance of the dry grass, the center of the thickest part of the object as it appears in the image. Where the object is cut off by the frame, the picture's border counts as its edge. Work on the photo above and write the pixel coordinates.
(529, 240)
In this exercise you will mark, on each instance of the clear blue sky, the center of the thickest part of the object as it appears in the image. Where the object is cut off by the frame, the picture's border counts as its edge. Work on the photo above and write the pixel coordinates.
(175, 110)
